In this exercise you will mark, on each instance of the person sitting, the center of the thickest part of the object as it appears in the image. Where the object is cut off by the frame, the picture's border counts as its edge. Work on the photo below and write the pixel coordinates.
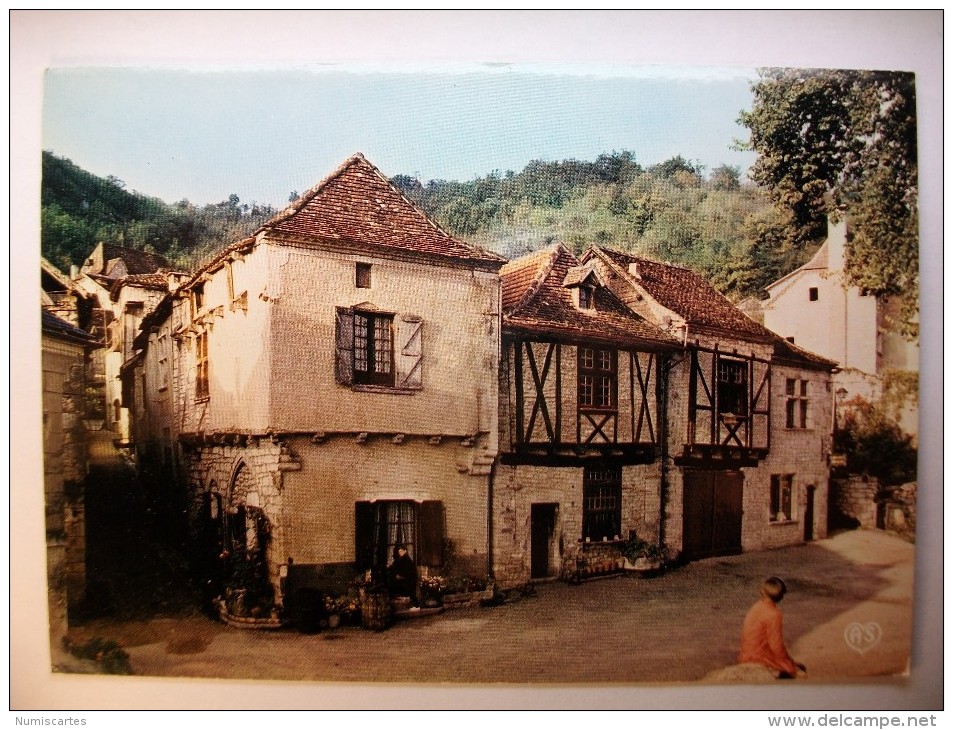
(402, 575)
(762, 638)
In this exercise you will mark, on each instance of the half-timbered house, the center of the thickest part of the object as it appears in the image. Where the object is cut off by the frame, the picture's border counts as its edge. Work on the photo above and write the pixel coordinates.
(330, 388)
(580, 420)
(748, 416)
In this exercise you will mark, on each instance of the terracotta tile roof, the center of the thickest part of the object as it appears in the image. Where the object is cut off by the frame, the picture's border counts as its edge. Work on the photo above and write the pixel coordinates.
(54, 326)
(788, 352)
(357, 204)
(535, 301)
(689, 295)
(137, 262)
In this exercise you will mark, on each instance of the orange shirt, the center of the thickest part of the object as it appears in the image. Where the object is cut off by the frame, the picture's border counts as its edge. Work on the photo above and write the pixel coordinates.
(762, 640)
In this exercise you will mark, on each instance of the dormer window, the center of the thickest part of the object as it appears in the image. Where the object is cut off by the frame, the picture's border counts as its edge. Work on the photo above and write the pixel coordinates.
(582, 281)
(585, 298)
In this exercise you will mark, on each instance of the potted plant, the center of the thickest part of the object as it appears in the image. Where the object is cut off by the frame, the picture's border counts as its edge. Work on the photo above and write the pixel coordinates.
(644, 557)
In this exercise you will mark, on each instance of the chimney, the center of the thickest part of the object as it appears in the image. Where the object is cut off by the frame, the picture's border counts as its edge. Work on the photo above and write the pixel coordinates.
(634, 271)
(836, 241)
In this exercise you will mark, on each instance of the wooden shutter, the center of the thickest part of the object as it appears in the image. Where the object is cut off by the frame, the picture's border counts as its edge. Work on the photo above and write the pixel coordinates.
(430, 534)
(344, 344)
(363, 535)
(409, 337)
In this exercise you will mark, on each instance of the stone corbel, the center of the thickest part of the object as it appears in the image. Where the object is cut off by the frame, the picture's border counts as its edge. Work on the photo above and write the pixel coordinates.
(287, 461)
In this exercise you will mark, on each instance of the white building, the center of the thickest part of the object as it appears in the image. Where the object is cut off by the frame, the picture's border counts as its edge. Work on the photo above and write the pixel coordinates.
(816, 309)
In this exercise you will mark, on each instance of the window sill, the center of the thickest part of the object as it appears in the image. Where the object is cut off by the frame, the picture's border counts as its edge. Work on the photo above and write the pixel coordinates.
(781, 523)
(588, 544)
(203, 399)
(384, 389)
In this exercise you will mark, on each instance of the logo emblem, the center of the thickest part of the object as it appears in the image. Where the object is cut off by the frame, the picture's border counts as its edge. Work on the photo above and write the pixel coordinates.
(863, 637)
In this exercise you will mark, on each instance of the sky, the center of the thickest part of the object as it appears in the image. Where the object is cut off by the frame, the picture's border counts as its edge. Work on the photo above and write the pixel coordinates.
(177, 133)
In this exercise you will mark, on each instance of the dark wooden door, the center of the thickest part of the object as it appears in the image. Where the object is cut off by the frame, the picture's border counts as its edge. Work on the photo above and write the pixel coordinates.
(543, 519)
(809, 515)
(712, 513)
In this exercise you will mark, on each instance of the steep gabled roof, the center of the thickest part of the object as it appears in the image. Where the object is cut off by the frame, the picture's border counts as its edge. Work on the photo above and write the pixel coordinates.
(137, 262)
(358, 205)
(536, 301)
(819, 262)
(687, 294)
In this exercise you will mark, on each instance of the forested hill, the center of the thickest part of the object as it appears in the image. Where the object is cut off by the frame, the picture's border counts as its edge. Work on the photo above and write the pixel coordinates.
(80, 209)
(673, 211)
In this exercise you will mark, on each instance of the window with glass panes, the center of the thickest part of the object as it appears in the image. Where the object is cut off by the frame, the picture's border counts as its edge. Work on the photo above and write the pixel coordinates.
(597, 378)
(373, 348)
(782, 485)
(732, 387)
(601, 503)
(796, 406)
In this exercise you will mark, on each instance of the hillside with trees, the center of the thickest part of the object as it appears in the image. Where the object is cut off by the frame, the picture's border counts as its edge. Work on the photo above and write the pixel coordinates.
(79, 210)
(672, 211)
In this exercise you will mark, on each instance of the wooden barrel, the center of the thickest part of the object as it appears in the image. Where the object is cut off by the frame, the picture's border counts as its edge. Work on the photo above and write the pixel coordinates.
(375, 610)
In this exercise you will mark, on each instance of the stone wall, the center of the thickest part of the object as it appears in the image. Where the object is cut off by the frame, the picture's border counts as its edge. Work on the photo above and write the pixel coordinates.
(855, 498)
(517, 488)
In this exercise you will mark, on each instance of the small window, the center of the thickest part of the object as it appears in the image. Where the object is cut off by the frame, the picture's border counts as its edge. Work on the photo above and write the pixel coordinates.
(201, 366)
(585, 297)
(812, 293)
(796, 404)
(781, 488)
(198, 297)
(362, 276)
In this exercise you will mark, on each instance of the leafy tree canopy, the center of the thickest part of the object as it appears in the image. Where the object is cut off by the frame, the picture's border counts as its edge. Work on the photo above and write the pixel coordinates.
(845, 142)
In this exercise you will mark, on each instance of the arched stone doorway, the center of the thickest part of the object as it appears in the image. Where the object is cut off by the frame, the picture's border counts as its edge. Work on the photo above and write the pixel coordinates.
(246, 532)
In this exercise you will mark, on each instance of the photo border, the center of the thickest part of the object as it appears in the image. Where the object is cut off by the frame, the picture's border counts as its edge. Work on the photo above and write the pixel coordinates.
(895, 40)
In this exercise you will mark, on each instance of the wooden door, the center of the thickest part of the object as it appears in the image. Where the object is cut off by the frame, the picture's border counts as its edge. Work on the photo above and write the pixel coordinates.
(543, 527)
(809, 515)
(712, 510)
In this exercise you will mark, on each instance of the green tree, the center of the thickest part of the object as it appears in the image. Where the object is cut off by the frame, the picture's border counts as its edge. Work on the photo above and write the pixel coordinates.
(875, 444)
(834, 142)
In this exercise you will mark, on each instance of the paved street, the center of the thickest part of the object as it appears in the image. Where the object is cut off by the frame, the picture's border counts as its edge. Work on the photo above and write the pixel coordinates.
(678, 627)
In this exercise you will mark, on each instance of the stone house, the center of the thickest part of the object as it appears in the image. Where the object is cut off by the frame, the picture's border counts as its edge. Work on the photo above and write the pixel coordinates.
(746, 416)
(118, 286)
(64, 352)
(816, 309)
(580, 421)
(327, 388)
(351, 377)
